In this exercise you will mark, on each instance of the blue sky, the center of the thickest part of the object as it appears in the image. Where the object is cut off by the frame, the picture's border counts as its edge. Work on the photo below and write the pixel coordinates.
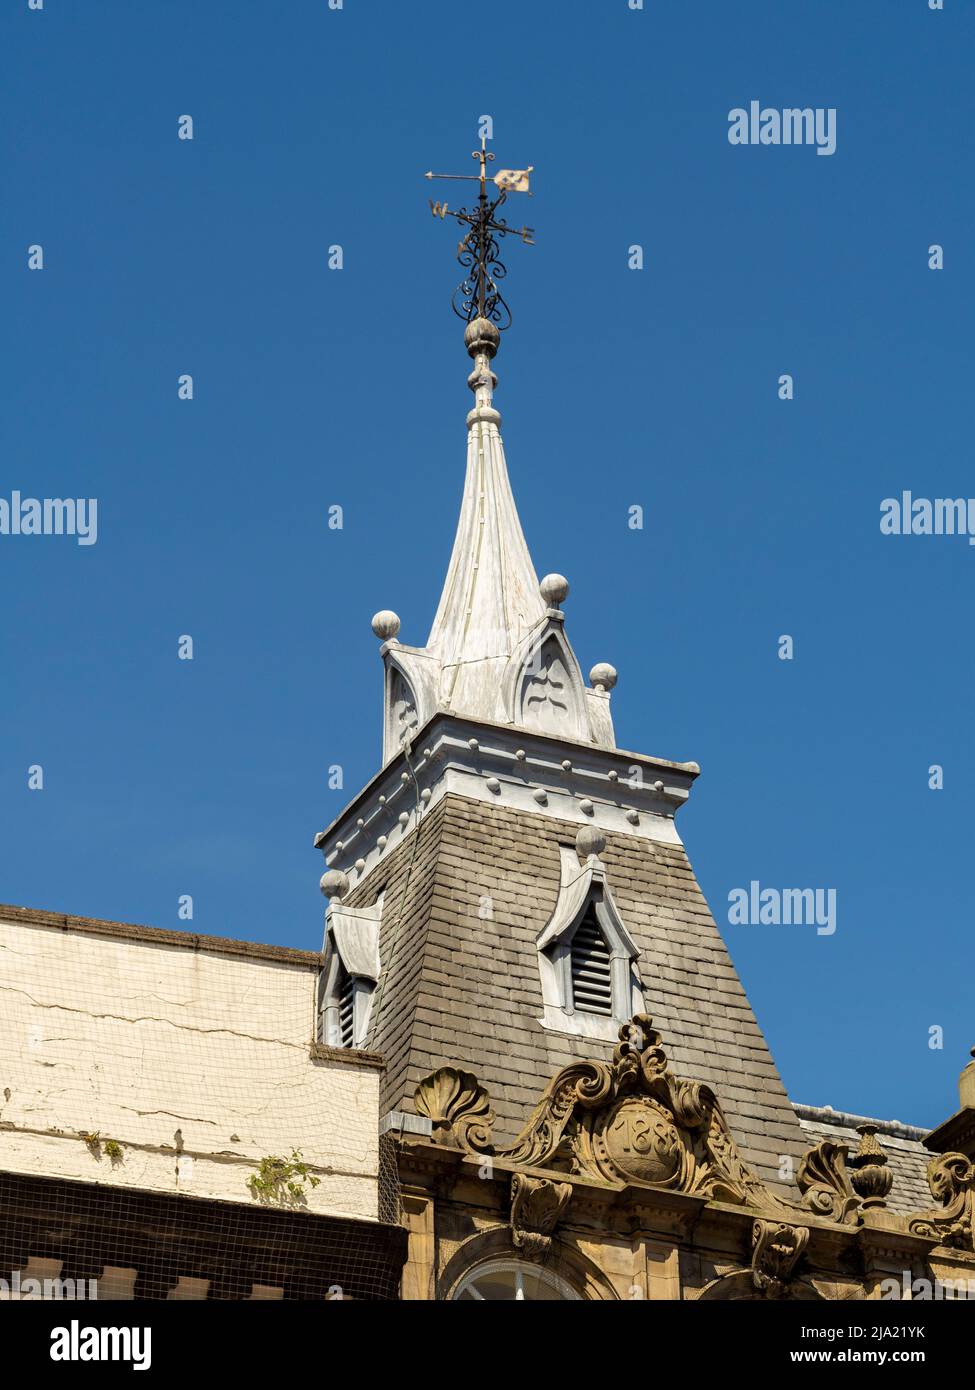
(315, 387)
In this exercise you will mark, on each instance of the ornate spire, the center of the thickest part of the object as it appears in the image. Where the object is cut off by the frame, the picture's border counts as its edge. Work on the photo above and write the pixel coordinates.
(497, 650)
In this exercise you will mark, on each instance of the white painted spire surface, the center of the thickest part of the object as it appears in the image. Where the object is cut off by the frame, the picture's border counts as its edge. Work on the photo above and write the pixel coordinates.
(490, 599)
(497, 650)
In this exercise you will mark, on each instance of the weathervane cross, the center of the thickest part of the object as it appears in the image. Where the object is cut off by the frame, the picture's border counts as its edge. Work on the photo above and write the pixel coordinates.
(477, 295)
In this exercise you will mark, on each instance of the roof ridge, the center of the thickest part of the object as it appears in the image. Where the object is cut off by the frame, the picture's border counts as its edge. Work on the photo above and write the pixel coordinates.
(845, 1120)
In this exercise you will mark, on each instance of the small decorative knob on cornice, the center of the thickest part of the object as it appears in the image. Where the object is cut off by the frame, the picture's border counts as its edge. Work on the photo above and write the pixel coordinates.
(334, 884)
(385, 624)
(633, 817)
(586, 806)
(603, 677)
(590, 842)
(493, 785)
(360, 865)
(540, 796)
(566, 765)
(554, 589)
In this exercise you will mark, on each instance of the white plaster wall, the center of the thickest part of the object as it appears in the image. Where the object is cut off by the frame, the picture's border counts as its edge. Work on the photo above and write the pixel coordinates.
(198, 1064)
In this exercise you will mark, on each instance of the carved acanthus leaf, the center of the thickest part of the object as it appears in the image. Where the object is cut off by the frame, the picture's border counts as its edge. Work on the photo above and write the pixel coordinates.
(825, 1184)
(536, 1208)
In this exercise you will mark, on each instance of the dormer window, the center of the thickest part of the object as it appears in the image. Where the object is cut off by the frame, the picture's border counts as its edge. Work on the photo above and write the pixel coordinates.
(349, 975)
(586, 958)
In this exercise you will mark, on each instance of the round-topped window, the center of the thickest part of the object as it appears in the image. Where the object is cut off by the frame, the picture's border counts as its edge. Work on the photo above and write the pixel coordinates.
(512, 1279)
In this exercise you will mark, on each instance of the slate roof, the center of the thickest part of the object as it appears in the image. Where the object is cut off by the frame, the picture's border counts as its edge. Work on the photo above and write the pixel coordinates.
(907, 1156)
(463, 988)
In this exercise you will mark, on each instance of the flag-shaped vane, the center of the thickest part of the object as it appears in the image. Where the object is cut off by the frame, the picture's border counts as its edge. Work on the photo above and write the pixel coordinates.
(513, 180)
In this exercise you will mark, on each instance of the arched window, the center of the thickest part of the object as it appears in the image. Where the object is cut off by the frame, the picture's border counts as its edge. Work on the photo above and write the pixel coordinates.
(512, 1281)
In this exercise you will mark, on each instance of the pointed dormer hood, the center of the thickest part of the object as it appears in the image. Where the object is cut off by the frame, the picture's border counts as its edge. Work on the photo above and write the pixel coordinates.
(497, 650)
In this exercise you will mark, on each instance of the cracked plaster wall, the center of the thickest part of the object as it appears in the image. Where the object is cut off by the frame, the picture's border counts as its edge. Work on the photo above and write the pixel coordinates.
(196, 1063)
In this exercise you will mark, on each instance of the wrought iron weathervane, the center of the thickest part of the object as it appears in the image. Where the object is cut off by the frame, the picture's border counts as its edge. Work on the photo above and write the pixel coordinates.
(478, 295)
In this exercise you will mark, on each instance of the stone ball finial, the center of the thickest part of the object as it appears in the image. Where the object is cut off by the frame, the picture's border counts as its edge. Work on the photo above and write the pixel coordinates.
(334, 884)
(481, 335)
(590, 840)
(554, 589)
(385, 624)
(603, 676)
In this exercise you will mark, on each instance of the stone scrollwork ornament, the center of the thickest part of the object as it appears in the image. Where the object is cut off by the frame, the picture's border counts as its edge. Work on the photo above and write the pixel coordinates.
(951, 1178)
(825, 1184)
(628, 1120)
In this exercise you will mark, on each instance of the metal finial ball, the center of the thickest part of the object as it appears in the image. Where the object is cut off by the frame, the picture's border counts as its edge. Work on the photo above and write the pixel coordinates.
(385, 624)
(334, 884)
(603, 676)
(554, 589)
(590, 840)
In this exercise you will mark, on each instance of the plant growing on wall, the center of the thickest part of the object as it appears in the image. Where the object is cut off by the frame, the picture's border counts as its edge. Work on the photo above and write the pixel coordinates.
(97, 1146)
(282, 1180)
